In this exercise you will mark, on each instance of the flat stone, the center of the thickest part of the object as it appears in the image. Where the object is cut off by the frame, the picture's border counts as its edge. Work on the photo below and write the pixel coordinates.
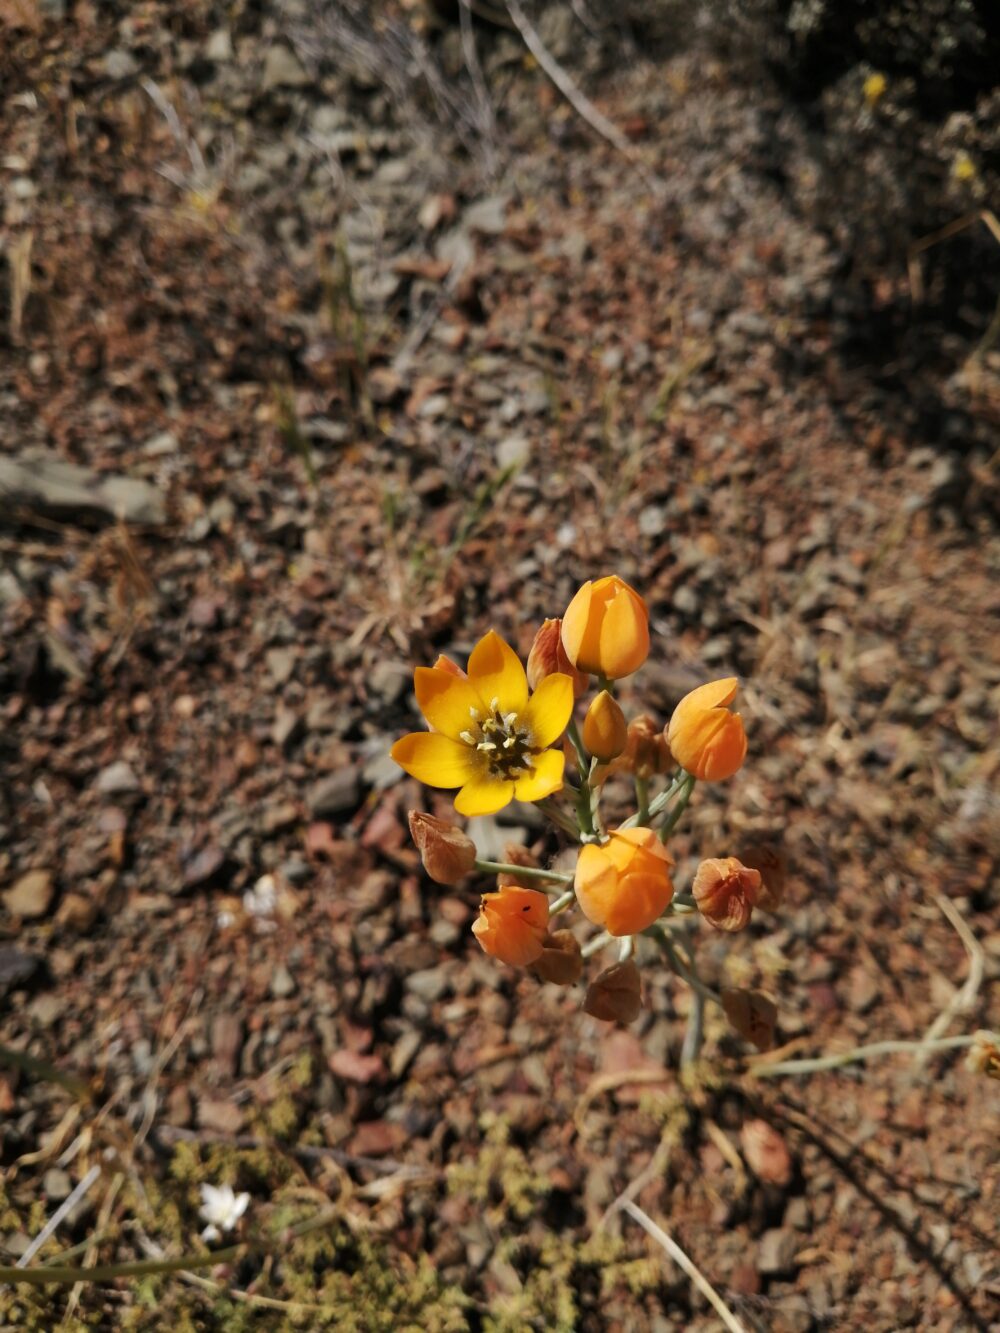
(227, 1042)
(117, 779)
(514, 451)
(219, 46)
(282, 983)
(282, 70)
(336, 794)
(46, 1010)
(777, 1251)
(40, 479)
(30, 895)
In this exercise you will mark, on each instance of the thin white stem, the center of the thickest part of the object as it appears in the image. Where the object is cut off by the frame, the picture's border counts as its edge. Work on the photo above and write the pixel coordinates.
(858, 1053)
(595, 945)
(962, 1001)
(51, 1226)
(686, 1266)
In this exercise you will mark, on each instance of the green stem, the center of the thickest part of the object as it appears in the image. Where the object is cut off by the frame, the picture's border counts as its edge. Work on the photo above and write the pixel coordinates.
(657, 933)
(559, 817)
(658, 803)
(673, 819)
(858, 1053)
(642, 800)
(562, 902)
(695, 1031)
(523, 872)
(595, 945)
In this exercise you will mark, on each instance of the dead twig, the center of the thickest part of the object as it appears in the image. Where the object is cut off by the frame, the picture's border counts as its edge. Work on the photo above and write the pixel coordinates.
(963, 1000)
(687, 1267)
(578, 100)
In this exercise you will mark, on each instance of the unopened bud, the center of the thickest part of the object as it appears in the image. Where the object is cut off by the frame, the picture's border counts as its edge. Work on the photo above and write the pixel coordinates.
(616, 995)
(548, 656)
(726, 891)
(448, 855)
(752, 1016)
(604, 729)
(561, 961)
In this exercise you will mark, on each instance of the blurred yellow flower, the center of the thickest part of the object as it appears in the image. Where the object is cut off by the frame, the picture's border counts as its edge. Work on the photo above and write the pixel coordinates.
(874, 88)
(488, 735)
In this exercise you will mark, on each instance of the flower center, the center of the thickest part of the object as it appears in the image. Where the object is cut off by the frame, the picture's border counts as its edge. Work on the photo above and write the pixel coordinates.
(503, 742)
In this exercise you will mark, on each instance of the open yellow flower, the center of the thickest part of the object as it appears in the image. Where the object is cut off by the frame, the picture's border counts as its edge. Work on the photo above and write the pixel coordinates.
(489, 736)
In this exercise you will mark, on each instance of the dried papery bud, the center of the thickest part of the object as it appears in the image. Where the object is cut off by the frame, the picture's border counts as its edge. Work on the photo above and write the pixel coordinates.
(512, 925)
(726, 891)
(984, 1055)
(616, 995)
(448, 855)
(444, 663)
(548, 656)
(515, 854)
(772, 864)
(646, 750)
(606, 628)
(561, 961)
(604, 731)
(752, 1016)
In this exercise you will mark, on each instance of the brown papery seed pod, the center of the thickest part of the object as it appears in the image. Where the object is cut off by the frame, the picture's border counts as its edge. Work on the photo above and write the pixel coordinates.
(561, 961)
(515, 854)
(752, 1015)
(725, 891)
(448, 855)
(616, 995)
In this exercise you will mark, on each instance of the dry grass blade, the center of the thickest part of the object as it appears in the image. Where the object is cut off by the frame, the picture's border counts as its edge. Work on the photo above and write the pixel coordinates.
(963, 1000)
(685, 1264)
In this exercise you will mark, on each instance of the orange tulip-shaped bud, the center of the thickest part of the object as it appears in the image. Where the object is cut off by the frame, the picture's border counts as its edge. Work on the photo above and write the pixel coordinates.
(624, 885)
(604, 730)
(605, 630)
(726, 891)
(444, 663)
(706, 739)
(616, 995)
(548, 656)
(448, 855)
(560, 961)
(512, 924)
(752, 1014)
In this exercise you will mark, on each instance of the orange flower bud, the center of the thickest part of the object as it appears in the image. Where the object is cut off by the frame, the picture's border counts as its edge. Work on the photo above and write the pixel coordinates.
(604, 731)
(707, 740)
(616, 995)
(444, 663)
(625, 884)
(771, 863)
(726, 891)
(560, 961)
(548, 656)
(606, 629)
(512, 924)
(752, 1015)
(448, 855)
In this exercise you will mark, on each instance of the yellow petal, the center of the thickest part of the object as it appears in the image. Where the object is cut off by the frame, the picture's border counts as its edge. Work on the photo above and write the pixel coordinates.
(549, 709)
(445, 700)
(483, 795)
(546, 775)
(496, 672)
(434, 760)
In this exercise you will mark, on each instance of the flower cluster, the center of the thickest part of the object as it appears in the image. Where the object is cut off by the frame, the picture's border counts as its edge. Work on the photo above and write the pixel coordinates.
(500, 733)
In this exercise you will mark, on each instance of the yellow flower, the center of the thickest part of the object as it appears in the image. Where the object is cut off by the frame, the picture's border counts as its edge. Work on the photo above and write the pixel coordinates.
(874, 88)
(605, 630)
(706, 739)
(489, 736)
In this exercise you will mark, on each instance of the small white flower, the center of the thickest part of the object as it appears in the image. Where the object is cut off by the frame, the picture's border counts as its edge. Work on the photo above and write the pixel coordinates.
(262, 899)
(221, 1208)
